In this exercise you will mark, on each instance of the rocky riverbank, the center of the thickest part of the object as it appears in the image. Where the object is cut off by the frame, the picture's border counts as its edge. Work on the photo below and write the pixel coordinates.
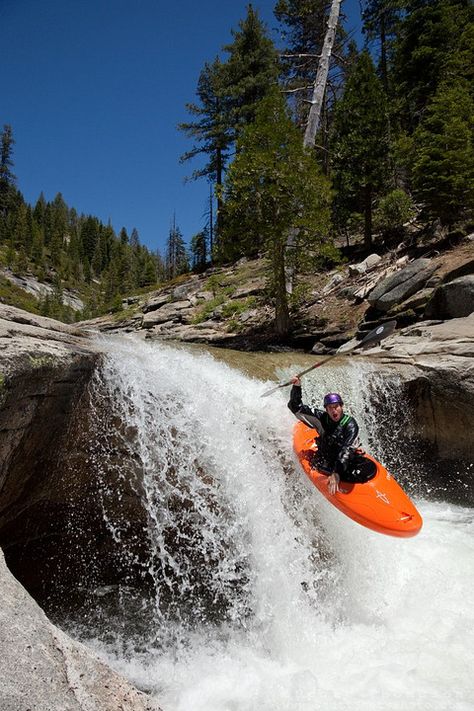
(230, 307)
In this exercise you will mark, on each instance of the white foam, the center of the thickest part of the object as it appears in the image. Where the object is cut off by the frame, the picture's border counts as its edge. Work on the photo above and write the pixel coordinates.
(332, 616)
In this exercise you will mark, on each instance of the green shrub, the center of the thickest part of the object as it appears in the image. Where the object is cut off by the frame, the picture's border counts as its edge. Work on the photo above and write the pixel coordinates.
(393, 211)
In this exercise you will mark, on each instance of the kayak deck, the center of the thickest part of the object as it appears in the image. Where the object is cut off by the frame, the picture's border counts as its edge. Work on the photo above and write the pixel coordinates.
(379, 504)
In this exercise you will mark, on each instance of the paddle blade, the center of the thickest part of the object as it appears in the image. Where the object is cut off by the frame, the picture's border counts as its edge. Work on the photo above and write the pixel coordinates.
(382, 331)
(273, 390)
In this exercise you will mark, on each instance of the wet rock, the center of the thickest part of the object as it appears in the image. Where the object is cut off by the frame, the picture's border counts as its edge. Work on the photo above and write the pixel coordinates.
(435, 361)
(45, 369)
(42, 668)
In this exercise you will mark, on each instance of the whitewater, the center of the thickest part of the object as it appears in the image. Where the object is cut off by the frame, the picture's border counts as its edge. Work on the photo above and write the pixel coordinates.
(263, 597)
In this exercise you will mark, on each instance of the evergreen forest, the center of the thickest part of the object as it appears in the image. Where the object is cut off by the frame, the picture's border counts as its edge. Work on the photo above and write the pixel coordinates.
(309, 144)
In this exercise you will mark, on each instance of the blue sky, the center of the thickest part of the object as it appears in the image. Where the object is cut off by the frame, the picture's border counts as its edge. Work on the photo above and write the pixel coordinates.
(94, 91)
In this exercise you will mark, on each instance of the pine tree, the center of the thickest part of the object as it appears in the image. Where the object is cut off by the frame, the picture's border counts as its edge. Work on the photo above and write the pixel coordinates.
(212, 129)
(149, 276)
(176, 261)
(443, 172)
(426, 39)
(380, 18)
(273, 186)
(360, 145)
(250, 71)
(199, 251)
(7, 179)
(40, 210)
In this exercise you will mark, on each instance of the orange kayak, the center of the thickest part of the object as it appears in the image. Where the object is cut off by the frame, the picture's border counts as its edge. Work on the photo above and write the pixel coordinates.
(379, 504)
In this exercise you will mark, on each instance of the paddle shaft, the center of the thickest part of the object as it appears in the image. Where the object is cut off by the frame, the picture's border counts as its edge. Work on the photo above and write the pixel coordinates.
(312, 367)
(376, 335)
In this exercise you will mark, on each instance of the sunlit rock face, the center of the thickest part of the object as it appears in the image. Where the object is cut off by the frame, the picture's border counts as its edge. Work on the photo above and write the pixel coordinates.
(436, 362)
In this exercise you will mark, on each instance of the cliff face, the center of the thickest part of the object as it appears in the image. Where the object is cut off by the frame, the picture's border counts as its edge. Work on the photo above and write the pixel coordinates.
(436, 363)
(45, 368)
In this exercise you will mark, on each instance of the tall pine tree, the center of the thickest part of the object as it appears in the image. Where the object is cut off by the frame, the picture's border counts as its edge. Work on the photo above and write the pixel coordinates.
(212, 131)
(250, 71)
(273, 186)
(360, 145)
(176, 260)
(7, 179)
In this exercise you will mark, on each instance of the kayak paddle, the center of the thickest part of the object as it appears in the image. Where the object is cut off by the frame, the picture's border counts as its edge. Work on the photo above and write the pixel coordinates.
(371, 338)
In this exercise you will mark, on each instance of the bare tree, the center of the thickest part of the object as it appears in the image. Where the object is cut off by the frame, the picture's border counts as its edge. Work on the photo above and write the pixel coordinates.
(322, 76)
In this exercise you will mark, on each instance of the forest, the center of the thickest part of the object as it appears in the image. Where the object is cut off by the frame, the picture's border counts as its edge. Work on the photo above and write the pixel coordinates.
(307, 146)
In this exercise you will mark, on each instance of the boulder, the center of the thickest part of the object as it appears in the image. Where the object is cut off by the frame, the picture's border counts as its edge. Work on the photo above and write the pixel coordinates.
(184, 291)
(459, 271)
(251, 288)
(357, 269)
(399, 286)
(156, 302)
(333, 281)
(416, 302)
(168, 312)
(452, 300)
(42, 668)
(372, 260)
(369, 263)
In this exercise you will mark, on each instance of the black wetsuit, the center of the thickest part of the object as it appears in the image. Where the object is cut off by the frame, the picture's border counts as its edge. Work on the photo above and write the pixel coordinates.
(337, 441)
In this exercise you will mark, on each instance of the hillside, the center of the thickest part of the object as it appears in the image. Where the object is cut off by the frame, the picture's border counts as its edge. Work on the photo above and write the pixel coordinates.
(230, 306)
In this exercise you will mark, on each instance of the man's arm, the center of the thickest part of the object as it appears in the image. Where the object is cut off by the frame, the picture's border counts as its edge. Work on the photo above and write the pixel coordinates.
(351, 432)
(296, 403)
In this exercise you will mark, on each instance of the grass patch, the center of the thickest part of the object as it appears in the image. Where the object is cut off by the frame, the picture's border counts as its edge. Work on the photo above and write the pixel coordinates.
(238, 306)
(13, 295)
(206, 310)
(230, 308)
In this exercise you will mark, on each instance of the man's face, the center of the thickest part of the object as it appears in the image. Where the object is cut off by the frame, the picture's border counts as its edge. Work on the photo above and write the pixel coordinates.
(334, 411)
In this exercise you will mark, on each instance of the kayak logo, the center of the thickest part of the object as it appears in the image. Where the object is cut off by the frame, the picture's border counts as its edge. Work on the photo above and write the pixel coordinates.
(382, 496)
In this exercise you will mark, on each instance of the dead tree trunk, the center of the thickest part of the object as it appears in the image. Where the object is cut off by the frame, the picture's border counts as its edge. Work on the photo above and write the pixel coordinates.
(315, 111)
(322, 76)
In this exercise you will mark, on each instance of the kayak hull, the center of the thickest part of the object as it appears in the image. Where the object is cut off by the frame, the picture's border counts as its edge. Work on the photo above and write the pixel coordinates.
(379, 504)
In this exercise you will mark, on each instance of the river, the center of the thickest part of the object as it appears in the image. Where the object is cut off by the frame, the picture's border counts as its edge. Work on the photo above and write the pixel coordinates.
(263, 597)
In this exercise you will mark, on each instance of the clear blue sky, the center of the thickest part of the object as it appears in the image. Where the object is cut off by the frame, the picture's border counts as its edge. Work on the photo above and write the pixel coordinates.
(94, 91)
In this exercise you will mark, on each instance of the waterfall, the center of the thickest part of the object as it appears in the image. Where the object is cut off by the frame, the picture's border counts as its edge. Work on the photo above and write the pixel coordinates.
(259, 594)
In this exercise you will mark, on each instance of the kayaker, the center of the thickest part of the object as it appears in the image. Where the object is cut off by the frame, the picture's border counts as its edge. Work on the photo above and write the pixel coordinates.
(338, 433)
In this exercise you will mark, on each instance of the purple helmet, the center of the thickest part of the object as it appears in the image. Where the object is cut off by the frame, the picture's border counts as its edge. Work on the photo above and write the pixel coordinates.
(332, 399)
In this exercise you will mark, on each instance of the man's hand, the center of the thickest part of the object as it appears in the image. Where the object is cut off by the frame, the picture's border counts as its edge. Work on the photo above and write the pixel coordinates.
(295, 381)
(333, 483)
